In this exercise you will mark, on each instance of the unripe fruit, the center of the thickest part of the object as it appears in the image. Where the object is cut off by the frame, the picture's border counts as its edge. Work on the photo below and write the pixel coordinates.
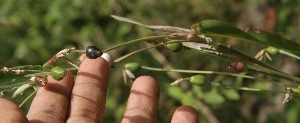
(41, 81)
(58, 73)
(197, 79)
(272, 50)
(238, 67)
(132, 66)
(175, 47)
(93, 52)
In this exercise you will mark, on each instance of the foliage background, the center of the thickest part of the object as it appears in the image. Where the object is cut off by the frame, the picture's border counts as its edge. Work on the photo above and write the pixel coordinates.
(31, 31)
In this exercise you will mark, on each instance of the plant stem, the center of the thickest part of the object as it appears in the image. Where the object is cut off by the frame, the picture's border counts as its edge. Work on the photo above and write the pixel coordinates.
(242, 56)
(11, 86)
(289, 54)
(146, 48)
(246, 88)
(253, 63)
(205, 72)
(195, 71)
(136, 40)
(27, 98)
(135, 52)
(38, 74)
(219, 73)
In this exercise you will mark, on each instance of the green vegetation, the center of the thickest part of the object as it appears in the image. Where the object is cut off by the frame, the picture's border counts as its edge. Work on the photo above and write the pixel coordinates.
(31, 32)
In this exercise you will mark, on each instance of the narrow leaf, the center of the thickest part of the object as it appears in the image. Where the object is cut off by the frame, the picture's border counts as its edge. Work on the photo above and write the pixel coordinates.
(158, 29)
(222, 29)
(275, 40)
(218, 28)
(10, 82)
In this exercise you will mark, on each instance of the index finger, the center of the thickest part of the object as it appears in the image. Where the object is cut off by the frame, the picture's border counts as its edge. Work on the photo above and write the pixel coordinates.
(89, 91)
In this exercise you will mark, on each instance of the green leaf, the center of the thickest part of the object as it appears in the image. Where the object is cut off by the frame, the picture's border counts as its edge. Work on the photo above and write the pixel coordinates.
(292, 114)
(261, 85)
(231, 94)
(222, 29)
(216, 28)
(10, 82)
(213, 97)
(276, 40)
(175, 92)
(198, 91)
(188, 99)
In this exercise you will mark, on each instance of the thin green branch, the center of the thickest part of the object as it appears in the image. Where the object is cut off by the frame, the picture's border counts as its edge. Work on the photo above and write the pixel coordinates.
(253, 63)
(38, 74)
(27, 98)
(250, 62)
(146, 48)
(219, 73)
(289, 54)
(11, 86)
(207, 72)
(136, 40)
(24, 66)
(195, 71)
(242, 56)
(135, 52)
(246, 88)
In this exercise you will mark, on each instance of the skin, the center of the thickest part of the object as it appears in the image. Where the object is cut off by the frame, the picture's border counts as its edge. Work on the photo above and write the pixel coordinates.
(83, 100)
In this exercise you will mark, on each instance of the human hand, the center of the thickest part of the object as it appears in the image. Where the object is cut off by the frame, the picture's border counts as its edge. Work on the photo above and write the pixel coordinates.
(83, 100)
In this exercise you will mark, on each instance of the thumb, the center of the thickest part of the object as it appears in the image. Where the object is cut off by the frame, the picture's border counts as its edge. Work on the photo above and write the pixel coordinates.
(11, 113)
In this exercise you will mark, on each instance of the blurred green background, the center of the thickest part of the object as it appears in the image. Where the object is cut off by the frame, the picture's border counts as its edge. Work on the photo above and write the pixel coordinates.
(31, 31)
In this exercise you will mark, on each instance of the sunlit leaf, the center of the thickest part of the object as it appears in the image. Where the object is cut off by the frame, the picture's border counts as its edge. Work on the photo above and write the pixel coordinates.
(198, 91)
(222, 29)
(231, 94)
(218, 28)
(213, 97)
(175, 92)
(275, 40)
(188, 99)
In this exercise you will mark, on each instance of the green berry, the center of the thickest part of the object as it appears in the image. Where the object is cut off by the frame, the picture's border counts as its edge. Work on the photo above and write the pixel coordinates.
(272, 50)
(197, 79)
(58, 73)
(175, 47)
(132, 66)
